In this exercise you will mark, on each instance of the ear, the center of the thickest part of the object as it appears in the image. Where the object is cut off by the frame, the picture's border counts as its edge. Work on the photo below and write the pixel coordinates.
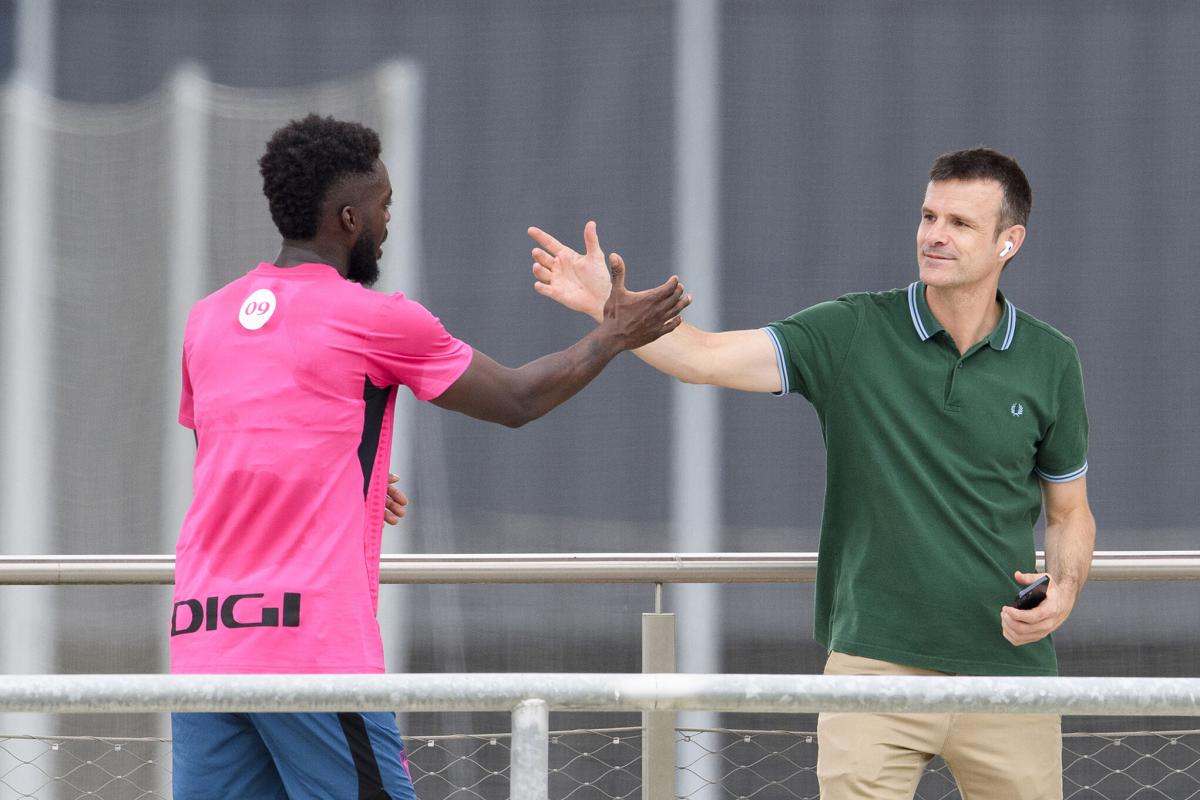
(348, 219)
(1016, 235)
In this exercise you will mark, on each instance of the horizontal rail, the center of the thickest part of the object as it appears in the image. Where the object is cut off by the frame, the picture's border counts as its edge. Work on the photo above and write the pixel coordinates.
(1151, 565)
(599, 692)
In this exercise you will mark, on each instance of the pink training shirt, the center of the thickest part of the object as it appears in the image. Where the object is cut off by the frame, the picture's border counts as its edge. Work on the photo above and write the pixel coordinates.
(289, 379)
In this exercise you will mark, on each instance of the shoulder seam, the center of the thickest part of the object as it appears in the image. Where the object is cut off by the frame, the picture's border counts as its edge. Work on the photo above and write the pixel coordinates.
(1045, 328)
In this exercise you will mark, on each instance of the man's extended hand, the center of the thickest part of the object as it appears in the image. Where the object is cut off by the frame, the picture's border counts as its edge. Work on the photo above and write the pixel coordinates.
(1030, 625)
(395, 507)
(580, 282)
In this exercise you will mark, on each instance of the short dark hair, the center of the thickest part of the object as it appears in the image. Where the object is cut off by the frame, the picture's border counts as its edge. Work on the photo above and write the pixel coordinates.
(984, 163)
(303, 160)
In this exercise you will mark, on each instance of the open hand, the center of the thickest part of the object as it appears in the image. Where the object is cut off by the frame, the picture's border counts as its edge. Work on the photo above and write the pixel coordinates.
(580, 282)
(639, 318)
(1030, 625)
(397, 501)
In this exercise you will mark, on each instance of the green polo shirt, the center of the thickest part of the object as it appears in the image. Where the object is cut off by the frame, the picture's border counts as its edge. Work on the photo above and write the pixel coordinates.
(934, 462)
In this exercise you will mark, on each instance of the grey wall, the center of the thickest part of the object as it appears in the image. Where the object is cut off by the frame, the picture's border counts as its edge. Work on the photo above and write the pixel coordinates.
(540, 112)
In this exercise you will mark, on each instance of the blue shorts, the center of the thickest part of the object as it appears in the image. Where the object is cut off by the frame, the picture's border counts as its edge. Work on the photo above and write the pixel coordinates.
(319, 756)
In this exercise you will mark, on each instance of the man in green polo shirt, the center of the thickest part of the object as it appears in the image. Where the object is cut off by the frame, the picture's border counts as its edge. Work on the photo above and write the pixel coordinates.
(950, 418)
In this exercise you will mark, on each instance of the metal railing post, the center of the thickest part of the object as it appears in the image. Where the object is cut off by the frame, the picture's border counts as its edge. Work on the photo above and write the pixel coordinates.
(658, 727)
(529, 774)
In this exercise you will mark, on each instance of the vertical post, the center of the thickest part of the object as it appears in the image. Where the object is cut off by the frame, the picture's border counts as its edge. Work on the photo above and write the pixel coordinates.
(185, 285)
(658, 727)
(189, 257)
(398, 86)
(34, 44)
(696, 514)
(529, 774)
(27, 626)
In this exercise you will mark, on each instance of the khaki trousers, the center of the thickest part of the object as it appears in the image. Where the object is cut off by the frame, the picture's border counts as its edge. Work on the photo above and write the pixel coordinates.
(882, 756)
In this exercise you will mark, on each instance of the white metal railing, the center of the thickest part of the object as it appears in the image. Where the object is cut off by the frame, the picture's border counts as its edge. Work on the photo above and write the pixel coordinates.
(530, 698)
(1114, 565)
(531, 708)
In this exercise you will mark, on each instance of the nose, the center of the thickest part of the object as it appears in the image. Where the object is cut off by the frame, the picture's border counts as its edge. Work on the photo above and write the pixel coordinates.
(934, 233)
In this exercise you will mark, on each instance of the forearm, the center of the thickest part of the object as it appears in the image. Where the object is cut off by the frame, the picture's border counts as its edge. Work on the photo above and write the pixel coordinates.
(513, 397)
(684, 354)
(545, 383)
(1070, 542)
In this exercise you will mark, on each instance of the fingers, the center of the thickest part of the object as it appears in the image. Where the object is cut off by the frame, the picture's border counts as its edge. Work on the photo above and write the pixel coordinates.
(616, 270)
(1019, 633)
(670, 293)
(682, 301)
(1026, 578)
(1023, 626)
(671, 286)
(542, 258)
(591, 240)
(396, 501)
(1016, 630)
(393, 514)
(545, 240)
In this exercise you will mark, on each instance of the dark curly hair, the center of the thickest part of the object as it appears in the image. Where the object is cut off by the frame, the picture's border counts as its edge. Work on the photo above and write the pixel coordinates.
(303, 160)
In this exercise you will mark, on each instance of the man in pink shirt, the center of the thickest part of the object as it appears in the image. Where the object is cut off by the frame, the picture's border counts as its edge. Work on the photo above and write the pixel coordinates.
(289, 381)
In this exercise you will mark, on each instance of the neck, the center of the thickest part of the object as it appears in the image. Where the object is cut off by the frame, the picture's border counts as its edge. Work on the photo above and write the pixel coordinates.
(293, 253)
(968, 314)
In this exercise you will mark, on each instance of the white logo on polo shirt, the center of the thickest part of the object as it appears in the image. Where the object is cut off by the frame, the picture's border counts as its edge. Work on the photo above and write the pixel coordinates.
(1017, 409)
(257, 309)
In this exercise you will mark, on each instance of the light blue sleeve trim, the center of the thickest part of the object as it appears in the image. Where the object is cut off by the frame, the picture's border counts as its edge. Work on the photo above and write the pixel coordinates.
(1070, 476)
(783, 376)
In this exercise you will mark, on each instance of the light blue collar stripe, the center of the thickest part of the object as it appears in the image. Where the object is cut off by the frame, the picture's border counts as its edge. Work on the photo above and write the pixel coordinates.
(1070, 476)
(916, 311)
(1012, 325)
(783, 375)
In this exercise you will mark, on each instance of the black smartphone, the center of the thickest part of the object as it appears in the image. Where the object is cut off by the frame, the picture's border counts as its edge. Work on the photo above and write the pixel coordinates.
(1033, 594)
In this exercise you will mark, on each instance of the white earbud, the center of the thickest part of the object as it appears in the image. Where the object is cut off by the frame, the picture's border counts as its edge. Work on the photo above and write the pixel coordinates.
(1007, 249)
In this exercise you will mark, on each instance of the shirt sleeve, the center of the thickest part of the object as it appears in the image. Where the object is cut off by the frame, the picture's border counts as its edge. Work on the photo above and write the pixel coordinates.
(812, 346)
(187, 415)
(407, 345)
(1062, 452)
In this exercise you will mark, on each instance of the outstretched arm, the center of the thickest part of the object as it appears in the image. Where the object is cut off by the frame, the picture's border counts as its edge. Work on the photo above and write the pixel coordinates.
(733, 359)
(512, 397)
(1070, 540)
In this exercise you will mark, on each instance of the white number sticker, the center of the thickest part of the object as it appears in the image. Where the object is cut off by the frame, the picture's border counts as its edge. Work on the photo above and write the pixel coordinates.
(257, 309)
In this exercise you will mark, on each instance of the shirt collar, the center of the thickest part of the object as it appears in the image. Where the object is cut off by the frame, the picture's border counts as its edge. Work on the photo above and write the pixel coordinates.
(926, 324)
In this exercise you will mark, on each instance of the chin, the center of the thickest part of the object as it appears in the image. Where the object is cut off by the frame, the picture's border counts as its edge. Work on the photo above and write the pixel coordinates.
(935, 275)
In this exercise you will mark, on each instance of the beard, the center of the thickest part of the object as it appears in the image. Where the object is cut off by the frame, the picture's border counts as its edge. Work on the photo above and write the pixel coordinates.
(363, 265)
